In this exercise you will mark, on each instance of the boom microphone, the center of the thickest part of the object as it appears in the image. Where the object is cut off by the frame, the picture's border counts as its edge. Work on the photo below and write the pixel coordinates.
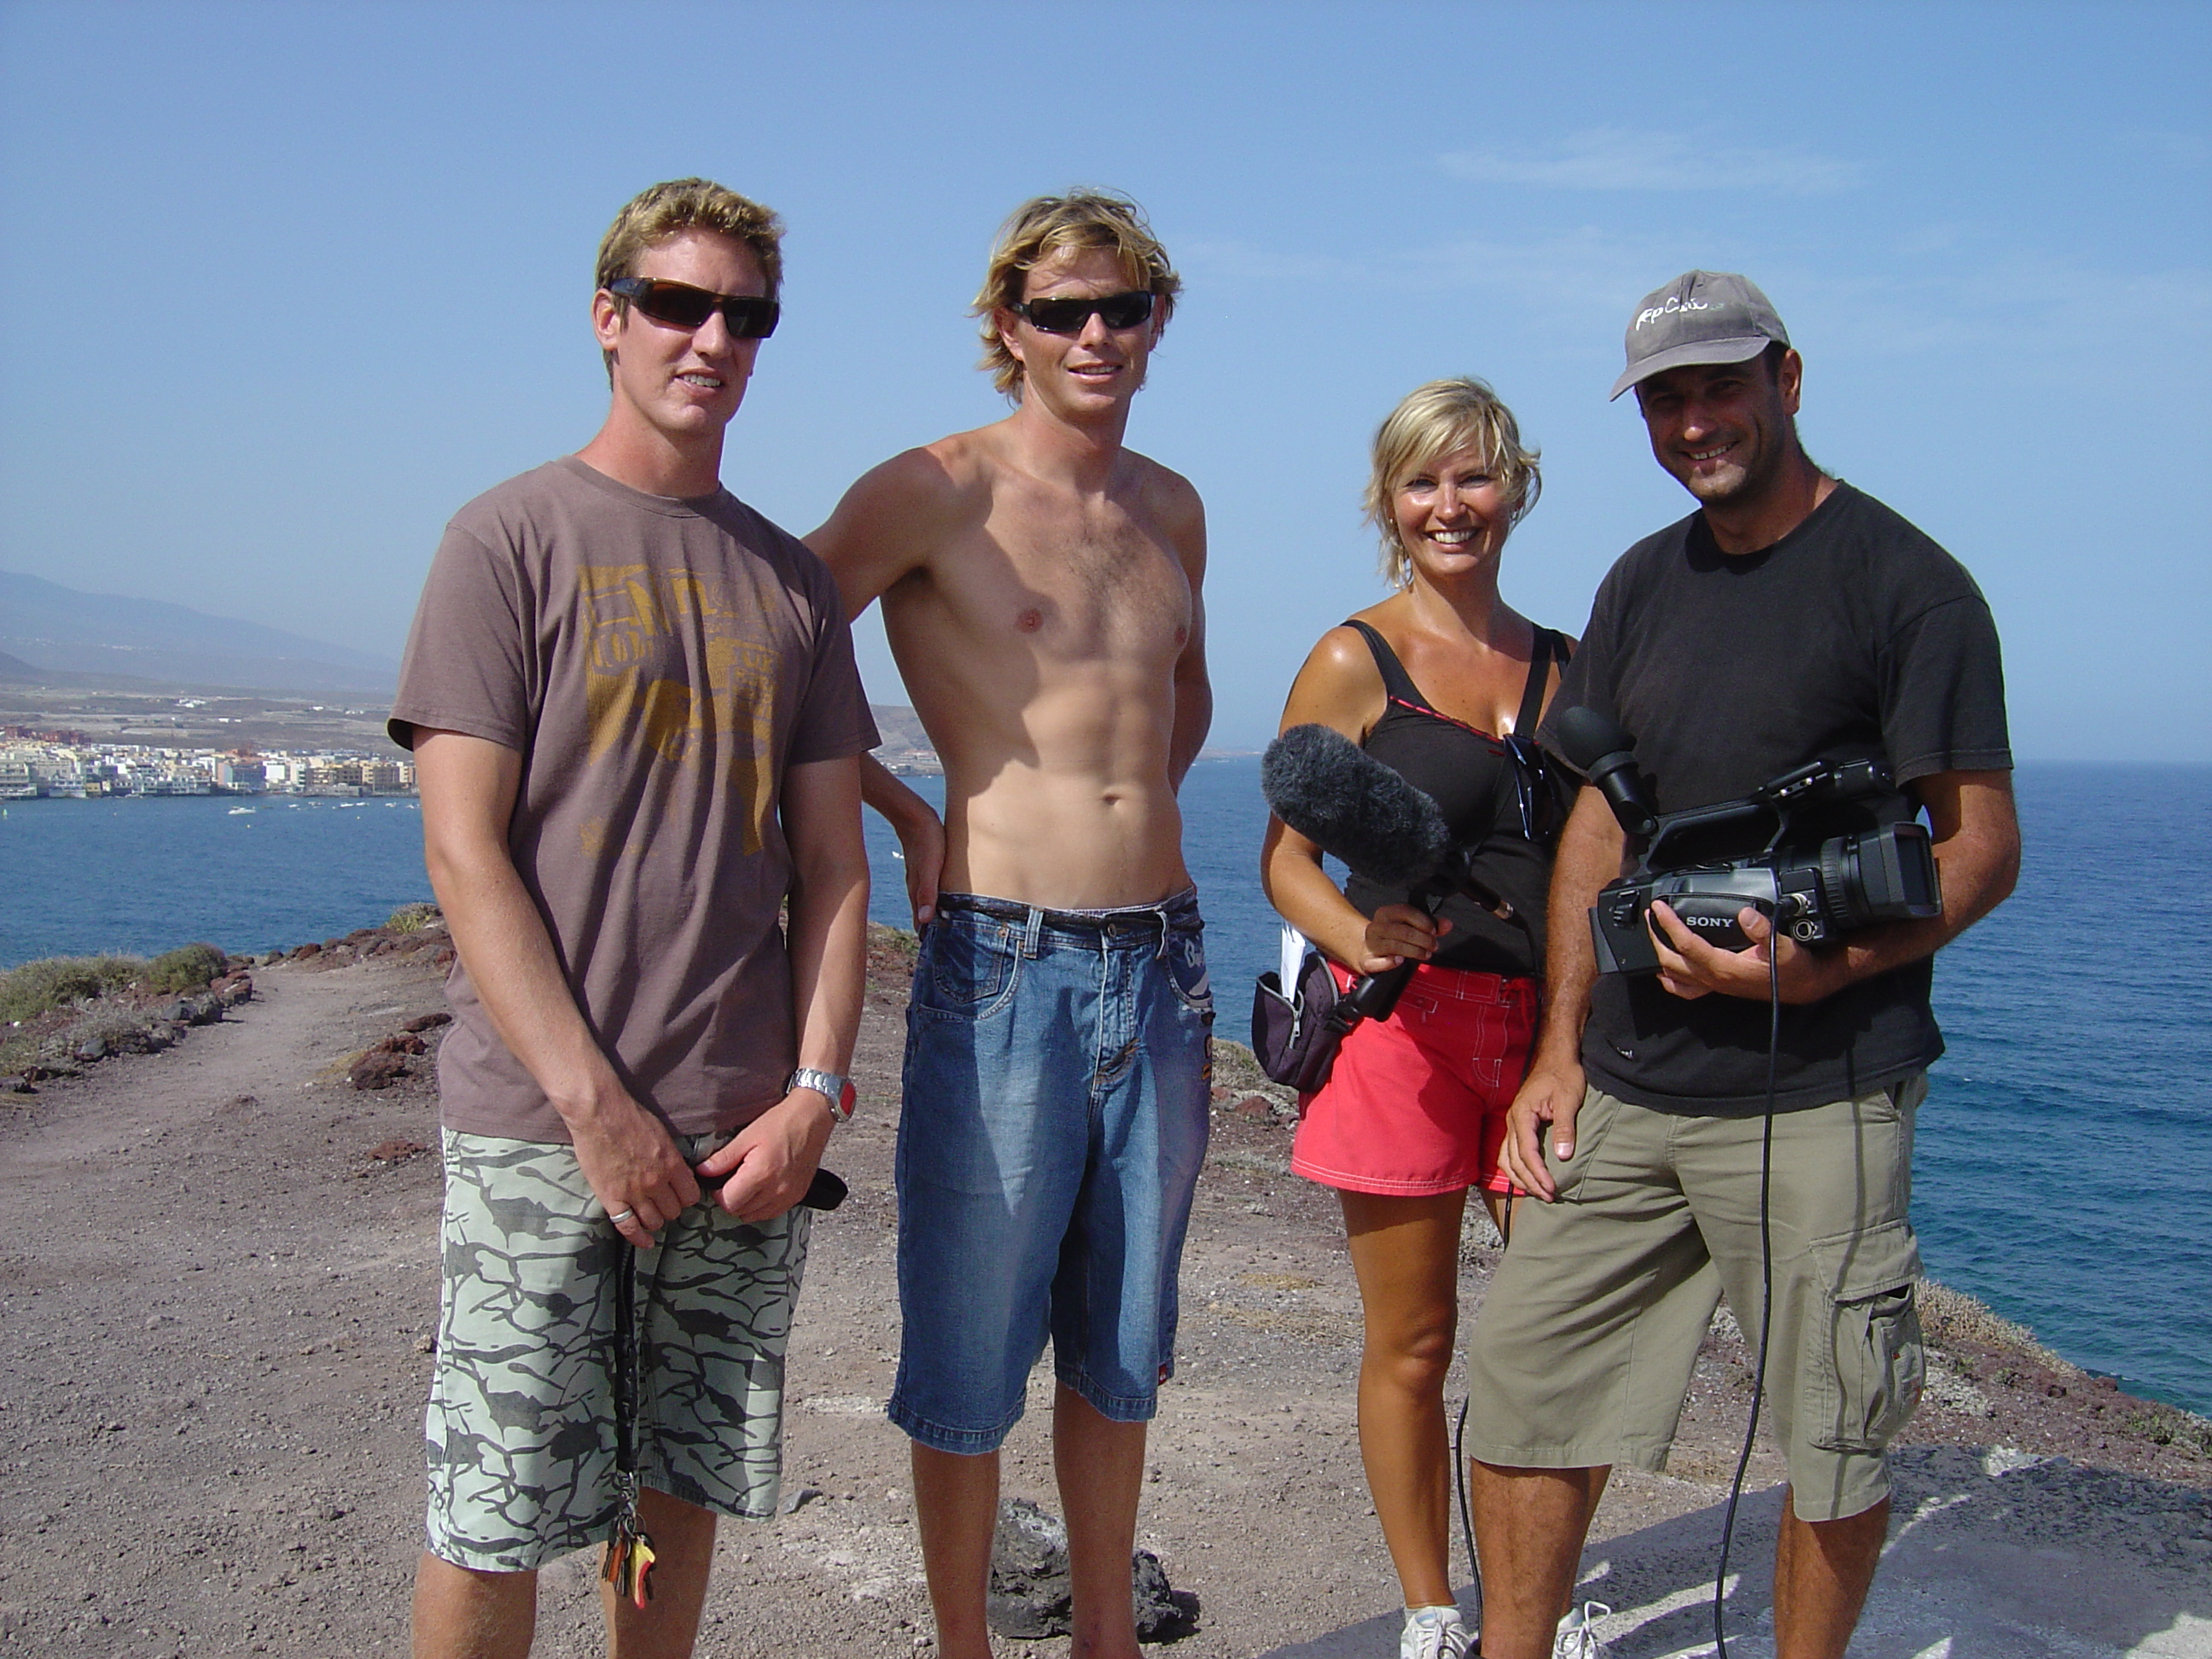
(1605, 753)
(1351, 806)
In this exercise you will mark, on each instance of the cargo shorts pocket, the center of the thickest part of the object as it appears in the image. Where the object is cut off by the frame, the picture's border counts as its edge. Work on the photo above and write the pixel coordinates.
(1593, 1124)
(1863, 1366)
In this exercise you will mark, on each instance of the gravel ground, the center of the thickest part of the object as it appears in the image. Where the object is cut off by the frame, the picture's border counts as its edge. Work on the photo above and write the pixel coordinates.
(220, 1284)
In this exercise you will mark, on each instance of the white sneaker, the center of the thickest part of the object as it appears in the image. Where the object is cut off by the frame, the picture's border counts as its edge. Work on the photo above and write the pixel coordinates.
(1433, 1633)
(1576, 1639)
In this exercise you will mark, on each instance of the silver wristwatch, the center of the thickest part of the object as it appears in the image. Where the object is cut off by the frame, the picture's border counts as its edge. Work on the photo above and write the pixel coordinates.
(837, 1090)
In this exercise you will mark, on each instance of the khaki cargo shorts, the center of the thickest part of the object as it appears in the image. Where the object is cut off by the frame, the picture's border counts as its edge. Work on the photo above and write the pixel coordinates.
(1586, 1339)
(520, 1430)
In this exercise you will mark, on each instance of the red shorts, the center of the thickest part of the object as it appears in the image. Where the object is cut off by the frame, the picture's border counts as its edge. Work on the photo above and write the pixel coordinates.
(1416, 1102)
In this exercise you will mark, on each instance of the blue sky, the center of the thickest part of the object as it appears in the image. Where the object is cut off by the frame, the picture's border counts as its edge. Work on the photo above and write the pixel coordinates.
(293, 281)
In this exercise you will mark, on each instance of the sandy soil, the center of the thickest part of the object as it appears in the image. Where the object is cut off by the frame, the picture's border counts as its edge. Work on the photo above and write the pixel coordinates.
(216, 1303)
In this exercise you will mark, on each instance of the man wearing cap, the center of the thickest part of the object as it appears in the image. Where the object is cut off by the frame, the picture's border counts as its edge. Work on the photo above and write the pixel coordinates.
(1790, 618)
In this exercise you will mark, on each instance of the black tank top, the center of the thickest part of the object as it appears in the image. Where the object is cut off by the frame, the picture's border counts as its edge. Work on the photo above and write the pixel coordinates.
(1470, 776)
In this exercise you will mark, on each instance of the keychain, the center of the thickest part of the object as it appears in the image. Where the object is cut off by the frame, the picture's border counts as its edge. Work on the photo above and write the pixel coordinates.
(630, 1558)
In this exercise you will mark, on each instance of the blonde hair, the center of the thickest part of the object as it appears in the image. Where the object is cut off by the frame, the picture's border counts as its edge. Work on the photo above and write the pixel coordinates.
(1045, 226)
(661, 211)
(1435, 420)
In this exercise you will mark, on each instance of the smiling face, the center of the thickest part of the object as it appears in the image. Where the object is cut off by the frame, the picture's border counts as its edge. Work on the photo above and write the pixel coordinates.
(1726, 432)
(1451, 515)
(1093, 372)
(682, 384)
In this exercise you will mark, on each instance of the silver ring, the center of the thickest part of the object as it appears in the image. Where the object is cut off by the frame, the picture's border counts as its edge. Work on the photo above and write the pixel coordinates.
(622, 1217)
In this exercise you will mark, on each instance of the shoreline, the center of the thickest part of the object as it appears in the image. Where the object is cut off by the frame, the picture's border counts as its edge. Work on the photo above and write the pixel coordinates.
(1976, 1341)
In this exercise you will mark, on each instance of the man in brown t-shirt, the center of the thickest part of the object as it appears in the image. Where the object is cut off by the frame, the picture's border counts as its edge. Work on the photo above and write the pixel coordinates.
(636, 723)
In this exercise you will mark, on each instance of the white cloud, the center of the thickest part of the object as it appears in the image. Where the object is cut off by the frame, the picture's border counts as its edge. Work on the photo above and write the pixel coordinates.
(1614, 158)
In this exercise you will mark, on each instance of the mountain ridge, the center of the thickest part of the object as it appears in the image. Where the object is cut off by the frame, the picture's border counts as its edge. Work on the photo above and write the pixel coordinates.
(66, 631)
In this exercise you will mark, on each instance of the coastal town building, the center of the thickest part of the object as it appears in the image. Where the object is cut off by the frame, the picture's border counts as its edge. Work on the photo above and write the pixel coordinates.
(36, 765)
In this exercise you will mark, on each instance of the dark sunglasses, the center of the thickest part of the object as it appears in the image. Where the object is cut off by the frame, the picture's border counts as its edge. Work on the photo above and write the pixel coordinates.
(1536, 787)
(1068, 316)
(679, 305)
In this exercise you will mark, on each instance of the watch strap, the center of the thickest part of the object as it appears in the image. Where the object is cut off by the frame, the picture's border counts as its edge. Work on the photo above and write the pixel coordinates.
(837, 1090)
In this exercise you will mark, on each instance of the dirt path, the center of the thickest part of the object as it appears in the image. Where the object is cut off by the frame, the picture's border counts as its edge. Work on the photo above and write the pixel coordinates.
(216, 1308)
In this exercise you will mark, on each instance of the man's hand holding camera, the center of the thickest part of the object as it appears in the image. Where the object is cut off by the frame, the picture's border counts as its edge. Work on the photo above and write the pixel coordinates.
(1689, 967)
(1974, 840)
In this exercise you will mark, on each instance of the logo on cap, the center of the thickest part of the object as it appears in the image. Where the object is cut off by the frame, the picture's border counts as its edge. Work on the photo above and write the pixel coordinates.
(1701, 317)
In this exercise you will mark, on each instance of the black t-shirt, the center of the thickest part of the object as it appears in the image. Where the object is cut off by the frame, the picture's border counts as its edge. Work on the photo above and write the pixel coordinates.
(1855, 635)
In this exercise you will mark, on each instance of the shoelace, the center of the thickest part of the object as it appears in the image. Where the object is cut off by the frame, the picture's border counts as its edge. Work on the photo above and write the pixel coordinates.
(1441, 1636)
(1576, 1639)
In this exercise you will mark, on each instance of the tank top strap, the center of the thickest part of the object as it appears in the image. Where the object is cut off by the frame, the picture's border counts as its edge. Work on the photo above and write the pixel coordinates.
(1397, 683)
(1550, 644)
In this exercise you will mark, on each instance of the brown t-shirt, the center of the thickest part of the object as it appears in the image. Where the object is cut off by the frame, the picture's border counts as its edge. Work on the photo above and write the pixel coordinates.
(658, 664)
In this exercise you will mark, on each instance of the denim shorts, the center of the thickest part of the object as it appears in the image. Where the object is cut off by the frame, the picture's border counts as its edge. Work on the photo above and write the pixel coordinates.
(1056, 1094)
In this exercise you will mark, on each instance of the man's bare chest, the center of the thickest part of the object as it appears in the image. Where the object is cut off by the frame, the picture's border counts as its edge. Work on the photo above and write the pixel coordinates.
(1069, 587)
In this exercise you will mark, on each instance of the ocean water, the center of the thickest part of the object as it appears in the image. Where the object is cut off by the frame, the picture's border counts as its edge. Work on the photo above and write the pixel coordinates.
(2064, 1167)
(144, 874)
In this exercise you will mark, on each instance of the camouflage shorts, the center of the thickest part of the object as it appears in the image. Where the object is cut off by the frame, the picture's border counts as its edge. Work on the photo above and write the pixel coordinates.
(521, 1431)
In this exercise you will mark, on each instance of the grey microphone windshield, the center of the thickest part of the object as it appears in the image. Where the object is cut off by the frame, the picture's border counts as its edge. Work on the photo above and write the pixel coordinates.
(1347, 803)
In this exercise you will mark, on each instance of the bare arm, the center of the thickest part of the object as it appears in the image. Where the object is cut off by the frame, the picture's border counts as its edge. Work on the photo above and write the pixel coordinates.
(880, 534)
(1589, 856)
(1339, 687)
(1194, 691)
(1975, 836)
(919, 831)
(771, 1160)
(468, 787)
(884, 528)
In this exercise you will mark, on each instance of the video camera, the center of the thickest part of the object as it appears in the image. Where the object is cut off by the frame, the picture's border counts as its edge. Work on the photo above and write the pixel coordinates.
(1767, 851)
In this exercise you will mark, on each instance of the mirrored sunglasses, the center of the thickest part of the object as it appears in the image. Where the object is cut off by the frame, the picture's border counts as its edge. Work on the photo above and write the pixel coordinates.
(1067, 316)
(679, 305)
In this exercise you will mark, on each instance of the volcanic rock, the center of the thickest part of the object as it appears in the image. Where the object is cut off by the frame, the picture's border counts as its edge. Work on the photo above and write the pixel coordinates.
(376, 1070)
(1029, 1595)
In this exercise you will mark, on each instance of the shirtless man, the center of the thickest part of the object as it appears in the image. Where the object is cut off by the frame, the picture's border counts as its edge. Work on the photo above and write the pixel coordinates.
(1040, 590)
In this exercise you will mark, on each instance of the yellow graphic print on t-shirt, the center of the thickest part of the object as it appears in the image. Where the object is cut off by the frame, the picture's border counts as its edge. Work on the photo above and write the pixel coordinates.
(669, 670)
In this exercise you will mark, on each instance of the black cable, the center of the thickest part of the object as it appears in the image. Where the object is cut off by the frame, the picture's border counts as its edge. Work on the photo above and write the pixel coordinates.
(1766, 1267)
(1459, 1455)
(1466, 1515)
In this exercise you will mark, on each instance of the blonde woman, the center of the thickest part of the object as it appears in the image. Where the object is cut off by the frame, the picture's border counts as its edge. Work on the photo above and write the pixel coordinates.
(1441, 681)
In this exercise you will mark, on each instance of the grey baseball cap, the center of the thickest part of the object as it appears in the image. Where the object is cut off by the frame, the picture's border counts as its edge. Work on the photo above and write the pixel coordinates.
(1701, 317)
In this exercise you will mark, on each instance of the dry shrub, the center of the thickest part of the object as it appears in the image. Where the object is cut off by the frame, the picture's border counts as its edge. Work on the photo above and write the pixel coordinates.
(38, 988)
(188, 968)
